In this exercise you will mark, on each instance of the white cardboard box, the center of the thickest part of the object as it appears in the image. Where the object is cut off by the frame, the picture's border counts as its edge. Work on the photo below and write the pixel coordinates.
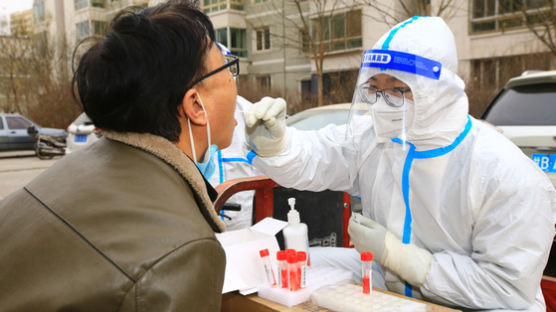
(244, 269)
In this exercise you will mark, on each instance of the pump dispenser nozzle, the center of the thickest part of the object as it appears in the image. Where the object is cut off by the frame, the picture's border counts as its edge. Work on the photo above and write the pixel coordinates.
(293, 215)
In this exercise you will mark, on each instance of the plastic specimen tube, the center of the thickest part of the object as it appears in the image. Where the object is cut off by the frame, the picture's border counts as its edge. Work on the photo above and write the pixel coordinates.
(366, 271)
(282, 268)
(293, 281)
(267, 267)
(302, 268)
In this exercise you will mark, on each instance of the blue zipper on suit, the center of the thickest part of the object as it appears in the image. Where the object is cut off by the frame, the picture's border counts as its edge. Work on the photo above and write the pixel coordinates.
(411, 155)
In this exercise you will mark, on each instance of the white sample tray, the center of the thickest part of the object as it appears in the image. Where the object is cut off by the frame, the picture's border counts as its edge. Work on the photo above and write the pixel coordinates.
(350, 298)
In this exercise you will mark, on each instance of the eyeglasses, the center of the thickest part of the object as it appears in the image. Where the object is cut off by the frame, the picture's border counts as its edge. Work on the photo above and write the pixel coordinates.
(232, 64)
(393, 97)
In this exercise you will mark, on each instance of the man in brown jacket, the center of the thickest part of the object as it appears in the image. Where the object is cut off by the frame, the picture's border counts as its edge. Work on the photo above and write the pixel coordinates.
(127, 224)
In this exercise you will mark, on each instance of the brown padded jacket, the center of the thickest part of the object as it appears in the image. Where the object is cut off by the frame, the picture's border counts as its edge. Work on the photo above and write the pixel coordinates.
(124, 225)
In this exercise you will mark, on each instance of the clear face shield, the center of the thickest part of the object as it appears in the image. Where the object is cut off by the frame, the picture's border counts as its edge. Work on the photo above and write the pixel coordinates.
(383, 100)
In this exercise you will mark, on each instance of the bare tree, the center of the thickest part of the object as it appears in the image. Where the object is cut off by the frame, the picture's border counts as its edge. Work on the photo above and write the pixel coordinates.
(305, 26)
(13, 73)
(540, 19)
(35, 80)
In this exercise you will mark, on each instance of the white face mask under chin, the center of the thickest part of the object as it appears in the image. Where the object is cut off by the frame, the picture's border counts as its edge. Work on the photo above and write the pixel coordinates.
(390, 122)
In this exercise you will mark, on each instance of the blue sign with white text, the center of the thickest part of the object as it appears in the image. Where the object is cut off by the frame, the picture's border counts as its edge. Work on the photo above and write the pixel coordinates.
(547, 162)
(402, 61)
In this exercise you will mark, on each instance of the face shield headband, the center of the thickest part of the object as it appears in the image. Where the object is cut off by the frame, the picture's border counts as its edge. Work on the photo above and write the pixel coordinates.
(406, 62)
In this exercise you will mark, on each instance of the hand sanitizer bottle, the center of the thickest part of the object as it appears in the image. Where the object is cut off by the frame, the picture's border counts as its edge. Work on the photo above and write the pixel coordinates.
(295, 233)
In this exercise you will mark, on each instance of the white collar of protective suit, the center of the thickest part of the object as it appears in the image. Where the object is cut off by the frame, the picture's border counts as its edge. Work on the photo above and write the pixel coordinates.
(192, 142)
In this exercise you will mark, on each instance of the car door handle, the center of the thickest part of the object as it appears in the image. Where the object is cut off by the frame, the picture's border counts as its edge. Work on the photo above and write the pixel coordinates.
(12, 132)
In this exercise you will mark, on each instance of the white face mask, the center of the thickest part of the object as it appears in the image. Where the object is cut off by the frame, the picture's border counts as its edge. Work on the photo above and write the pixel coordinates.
(207, 166)
(391, 122)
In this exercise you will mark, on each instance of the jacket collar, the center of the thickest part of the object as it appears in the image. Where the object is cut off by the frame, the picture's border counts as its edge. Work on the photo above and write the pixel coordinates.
(177, 159)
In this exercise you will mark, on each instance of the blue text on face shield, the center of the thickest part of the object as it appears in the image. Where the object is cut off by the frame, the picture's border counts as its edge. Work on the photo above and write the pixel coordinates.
(402, 61)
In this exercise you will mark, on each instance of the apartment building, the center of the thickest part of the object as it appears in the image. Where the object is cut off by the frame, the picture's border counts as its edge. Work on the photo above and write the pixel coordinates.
(492, 39)
(74, 20)
(21, 23)
(494, 42)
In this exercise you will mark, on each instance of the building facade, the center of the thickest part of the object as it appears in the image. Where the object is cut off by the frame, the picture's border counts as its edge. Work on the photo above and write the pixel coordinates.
(21, 23)
(73, 20)
(274, 42)
(492, 37)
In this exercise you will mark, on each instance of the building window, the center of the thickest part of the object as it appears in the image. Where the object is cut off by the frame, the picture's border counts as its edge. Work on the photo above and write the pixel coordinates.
(80, 4)
(495, 72)
(263, 39)
(496, 15)
(99, 27)
(38, 11)
(82, 30)
(221, 5)
(235, 39)
(264, 82)
(238, 42)
(339, 32)
(88, 28)
(222, 36)
(98, 3)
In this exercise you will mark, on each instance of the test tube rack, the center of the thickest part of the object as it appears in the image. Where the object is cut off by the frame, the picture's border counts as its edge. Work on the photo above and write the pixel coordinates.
(317, 277)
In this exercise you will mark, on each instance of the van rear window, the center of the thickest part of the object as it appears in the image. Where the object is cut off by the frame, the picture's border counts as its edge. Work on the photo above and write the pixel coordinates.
(532, 105)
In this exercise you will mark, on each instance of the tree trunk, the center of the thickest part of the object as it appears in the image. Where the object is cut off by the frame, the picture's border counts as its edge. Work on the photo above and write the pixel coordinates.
(320, 99)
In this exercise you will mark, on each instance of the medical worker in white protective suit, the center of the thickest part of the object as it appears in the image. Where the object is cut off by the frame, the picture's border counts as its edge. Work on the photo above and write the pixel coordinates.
(453, 211)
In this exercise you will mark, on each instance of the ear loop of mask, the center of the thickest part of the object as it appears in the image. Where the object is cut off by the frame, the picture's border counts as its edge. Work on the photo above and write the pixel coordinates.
(191, 134)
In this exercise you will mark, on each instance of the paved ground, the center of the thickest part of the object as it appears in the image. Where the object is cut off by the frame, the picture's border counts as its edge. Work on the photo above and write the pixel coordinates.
(18, 168)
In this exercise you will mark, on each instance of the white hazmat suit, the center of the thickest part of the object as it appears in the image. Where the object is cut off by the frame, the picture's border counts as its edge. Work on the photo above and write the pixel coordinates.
(459, 189)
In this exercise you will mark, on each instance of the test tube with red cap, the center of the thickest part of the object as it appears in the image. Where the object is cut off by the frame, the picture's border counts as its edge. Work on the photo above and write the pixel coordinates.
(293, 281)
(282, 268)
(366, 271)
(302, 268)
(267, 267)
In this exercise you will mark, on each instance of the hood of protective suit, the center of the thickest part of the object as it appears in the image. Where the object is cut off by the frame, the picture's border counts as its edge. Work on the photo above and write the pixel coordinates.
(440, 105)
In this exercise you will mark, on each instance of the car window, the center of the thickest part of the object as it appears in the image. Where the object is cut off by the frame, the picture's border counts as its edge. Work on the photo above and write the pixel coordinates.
(1, 124)
(532, 105)
(17, 123)
(318, 121)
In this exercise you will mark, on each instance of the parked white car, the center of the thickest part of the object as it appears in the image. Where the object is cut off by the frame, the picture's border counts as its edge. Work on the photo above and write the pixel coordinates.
(318, 117)
(81, 132)
(525, 112)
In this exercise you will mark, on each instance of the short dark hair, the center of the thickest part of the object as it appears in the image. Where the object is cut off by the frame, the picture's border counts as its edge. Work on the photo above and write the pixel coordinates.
(133, 80)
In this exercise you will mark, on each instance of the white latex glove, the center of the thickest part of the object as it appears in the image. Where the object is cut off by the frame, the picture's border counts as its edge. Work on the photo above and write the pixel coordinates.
(265, 126)
(410, 262)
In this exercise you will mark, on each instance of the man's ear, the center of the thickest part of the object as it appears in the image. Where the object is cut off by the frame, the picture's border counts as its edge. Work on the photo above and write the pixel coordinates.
(192, 109)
